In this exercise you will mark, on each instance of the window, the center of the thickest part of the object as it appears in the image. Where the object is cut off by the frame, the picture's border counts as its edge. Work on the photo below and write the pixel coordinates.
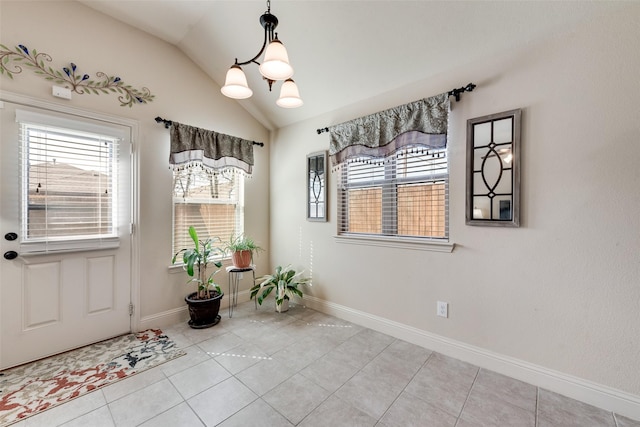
(69, 183)
(212, 203)
(404, 195)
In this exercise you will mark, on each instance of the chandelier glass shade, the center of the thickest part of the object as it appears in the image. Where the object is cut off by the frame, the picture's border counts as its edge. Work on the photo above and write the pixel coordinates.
(275, 66)
(235, 85)
(289, 95)
(276, 62)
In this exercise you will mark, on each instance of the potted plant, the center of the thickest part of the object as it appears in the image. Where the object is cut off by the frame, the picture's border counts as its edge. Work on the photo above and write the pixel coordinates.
(284, 281)
(241, 248)
(204, 304)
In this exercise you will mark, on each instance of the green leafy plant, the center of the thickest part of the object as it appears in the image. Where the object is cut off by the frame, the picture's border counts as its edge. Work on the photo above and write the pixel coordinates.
(285, 281)
(241, 242)
(241, 248)
(195, 262)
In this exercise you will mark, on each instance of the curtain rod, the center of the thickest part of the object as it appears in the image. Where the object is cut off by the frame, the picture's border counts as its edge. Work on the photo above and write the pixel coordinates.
(168, 123)
(453, 92)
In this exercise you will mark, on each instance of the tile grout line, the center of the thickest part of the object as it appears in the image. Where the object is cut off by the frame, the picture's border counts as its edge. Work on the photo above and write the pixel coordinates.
(260, 397)
(371, 361)
(113, 420)
(299, 371)
(184, 400)
(347, 380)
(475, 378)
(615, 419)
(405, 387)
(212, 357)
(361, 369)
(536, 419)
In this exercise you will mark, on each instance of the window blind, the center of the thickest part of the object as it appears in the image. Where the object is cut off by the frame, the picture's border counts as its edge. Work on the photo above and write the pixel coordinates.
(403, 195)
(69, 184)
(211, 202)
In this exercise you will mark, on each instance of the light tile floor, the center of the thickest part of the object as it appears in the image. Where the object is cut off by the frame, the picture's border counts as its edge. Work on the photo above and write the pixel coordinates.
(305, 368)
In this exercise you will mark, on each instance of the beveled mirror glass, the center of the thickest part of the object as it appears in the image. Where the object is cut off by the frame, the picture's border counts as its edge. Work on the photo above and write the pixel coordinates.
(316, 186)
(493, 170)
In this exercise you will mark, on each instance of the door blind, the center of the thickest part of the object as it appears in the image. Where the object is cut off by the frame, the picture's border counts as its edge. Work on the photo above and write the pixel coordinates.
(69, 180)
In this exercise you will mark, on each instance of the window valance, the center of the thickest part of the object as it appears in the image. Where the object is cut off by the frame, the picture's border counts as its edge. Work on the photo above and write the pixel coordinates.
(212, 150)
(423, 122)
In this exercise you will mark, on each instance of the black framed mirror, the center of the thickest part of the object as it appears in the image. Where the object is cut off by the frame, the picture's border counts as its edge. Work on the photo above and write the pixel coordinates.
(316, 186)
(493, 170)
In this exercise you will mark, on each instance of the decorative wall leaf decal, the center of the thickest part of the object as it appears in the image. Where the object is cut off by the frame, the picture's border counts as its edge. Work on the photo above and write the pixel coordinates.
(12, 62)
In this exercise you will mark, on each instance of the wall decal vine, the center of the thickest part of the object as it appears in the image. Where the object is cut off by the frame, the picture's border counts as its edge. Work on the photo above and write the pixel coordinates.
(70, 76)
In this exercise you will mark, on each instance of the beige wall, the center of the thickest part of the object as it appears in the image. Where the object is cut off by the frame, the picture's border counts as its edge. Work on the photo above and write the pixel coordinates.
(563, 290)
(183, 93)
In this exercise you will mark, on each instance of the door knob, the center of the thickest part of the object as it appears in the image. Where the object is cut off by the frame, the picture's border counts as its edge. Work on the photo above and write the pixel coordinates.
(11, 236)
(10, 255)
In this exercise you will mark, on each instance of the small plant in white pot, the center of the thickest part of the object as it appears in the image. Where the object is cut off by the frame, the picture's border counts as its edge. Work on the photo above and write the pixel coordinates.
(241, 248)
(285, 282)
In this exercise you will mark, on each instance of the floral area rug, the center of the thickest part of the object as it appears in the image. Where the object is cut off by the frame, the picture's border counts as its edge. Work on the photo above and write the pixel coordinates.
(35, 387)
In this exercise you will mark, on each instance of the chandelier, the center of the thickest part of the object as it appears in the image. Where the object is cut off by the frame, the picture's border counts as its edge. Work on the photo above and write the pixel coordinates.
(274, 67)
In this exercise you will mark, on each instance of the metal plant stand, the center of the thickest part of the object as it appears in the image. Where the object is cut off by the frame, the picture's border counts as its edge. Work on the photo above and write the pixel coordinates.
(234, 280)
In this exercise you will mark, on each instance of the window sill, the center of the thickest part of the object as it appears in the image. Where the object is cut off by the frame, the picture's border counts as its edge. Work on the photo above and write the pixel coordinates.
(175, 268)
(178, 266)
(397, 242)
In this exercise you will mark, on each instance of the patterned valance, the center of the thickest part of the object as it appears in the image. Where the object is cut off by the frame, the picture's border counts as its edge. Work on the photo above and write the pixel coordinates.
(212, 150)
(422, 123)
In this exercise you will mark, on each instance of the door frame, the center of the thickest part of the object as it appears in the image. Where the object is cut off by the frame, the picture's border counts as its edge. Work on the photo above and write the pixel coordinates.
(133, 125)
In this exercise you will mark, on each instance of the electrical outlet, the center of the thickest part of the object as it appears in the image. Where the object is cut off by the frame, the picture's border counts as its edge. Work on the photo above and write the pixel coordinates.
(442, 309)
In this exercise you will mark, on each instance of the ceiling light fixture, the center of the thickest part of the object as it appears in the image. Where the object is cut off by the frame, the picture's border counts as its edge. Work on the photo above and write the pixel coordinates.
(275, 66)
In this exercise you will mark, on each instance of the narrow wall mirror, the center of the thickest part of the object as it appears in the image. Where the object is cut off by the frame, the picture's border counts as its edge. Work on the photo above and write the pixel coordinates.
(493, 170)
(316, 186)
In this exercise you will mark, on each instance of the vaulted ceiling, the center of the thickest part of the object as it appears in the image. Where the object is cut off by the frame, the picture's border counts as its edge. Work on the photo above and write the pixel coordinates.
(345, 52)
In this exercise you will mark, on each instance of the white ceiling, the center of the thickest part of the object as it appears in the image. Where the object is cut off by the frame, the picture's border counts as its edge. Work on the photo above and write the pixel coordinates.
(344, 52)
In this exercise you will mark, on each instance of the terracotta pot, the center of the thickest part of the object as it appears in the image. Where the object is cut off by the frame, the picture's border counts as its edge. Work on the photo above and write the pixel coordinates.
(241, 259)
(203, 312)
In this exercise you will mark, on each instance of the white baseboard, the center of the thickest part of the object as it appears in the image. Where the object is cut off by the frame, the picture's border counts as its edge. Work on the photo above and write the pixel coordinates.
(163, 319)
(181, 314)
(598, 395)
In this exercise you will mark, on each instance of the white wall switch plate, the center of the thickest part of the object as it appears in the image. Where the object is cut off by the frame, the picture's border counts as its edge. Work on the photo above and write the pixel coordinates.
(442, 309)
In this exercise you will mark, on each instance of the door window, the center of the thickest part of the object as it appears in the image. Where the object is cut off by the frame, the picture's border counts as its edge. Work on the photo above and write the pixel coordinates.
(69, 183)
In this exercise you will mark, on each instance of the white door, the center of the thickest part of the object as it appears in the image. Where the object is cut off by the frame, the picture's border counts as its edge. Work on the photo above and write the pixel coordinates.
(68, 295)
